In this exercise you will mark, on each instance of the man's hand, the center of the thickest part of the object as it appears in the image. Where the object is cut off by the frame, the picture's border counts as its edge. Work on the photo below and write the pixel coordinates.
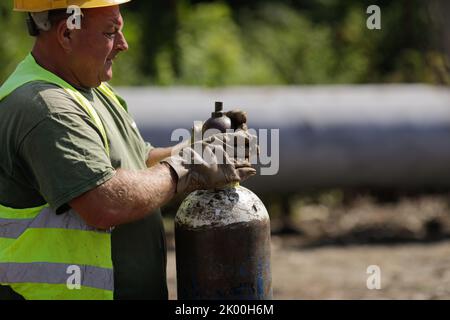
(213, 163)
(238, 122)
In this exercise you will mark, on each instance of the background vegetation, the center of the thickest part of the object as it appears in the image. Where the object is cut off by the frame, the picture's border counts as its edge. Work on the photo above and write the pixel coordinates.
(264, 42)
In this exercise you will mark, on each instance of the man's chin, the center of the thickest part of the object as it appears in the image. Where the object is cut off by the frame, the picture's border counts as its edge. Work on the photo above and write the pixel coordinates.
(107, 76)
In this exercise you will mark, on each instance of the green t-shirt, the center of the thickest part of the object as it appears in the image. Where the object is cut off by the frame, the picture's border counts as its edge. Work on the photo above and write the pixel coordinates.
(52, 152)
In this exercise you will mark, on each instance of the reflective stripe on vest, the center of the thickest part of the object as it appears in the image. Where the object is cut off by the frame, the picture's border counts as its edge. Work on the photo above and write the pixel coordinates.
(28, 70)
(42, 254)
(39, 251)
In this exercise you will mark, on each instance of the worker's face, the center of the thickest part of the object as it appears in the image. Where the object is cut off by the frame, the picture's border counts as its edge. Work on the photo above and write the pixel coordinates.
(96, 44)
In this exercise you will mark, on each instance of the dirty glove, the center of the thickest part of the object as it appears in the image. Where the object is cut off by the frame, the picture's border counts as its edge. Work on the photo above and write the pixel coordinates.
(212, 163)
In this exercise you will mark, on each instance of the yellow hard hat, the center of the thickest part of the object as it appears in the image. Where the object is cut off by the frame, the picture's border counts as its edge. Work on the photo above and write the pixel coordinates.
(44, 5)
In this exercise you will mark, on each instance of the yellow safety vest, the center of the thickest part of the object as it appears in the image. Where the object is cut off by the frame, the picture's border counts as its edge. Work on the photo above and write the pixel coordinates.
(42, 254)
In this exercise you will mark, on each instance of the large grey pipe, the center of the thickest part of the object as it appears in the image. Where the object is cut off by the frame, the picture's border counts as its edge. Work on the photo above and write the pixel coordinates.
(330, 136)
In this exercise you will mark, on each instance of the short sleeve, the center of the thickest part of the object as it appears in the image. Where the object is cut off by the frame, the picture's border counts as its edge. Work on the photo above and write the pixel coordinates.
(66, 157)
(148, 147)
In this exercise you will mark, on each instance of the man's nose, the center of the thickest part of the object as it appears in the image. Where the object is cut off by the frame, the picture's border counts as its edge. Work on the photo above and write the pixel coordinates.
(121, 42)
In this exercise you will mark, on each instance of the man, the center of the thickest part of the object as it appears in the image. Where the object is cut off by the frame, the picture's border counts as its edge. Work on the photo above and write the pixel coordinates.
(80, 191)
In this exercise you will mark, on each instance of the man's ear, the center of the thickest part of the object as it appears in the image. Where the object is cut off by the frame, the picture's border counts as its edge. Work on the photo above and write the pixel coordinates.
(64, 35)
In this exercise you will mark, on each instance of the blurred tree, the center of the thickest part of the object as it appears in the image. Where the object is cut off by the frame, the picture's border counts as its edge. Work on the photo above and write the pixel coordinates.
(232, 42)
(298, 51)
(14, 40)
(158, 23)
(210, 48)
(440, 33)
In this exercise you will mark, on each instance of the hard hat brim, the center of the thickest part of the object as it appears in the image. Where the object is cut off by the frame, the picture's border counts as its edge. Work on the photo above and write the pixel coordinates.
(83, 4)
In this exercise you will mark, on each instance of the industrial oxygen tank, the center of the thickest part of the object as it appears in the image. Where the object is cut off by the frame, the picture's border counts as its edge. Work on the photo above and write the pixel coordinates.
(222, 240)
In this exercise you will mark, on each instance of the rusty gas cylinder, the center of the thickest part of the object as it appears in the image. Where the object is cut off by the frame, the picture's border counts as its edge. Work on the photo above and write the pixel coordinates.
(222, 240)
(223, 246)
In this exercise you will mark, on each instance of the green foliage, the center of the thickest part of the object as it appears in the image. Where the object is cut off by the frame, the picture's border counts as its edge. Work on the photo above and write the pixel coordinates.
(212, 51)
(353, 46)
(261, 42)
(14, 40)
(209, 45)
(289, 44)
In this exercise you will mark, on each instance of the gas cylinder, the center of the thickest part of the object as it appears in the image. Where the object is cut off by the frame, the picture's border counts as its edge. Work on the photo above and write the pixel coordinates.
(218, 121)
(222, 240)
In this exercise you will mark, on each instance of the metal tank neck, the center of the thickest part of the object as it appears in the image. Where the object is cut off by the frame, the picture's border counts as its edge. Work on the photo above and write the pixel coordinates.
(218, 121)
(218, 110)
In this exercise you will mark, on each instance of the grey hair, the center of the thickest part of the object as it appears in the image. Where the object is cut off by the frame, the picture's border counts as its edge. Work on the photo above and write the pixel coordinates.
(41, 19)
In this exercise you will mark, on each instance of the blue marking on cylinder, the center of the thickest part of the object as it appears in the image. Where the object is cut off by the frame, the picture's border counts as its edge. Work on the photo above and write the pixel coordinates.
(260, 280)
(242, 271)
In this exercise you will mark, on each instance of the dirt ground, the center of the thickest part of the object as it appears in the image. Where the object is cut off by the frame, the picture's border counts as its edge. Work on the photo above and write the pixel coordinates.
(408, 271)
(408, 240)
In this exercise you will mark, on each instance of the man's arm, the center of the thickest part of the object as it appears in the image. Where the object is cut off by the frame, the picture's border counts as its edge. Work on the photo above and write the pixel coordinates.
(131, 195)
(128, 196)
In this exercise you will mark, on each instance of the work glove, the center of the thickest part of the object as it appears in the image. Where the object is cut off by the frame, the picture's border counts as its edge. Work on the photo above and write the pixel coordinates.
(213, 163)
